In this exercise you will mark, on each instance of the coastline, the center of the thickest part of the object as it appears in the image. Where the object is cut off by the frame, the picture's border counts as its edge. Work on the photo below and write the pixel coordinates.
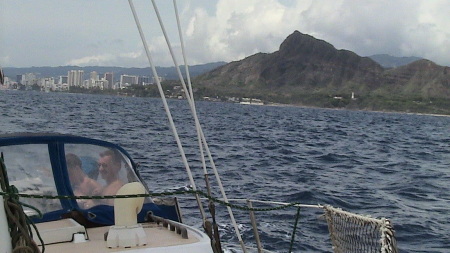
(362, 110)
(265, 104)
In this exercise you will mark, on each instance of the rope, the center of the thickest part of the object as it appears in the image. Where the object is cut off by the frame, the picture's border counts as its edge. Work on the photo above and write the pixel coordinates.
(201, 136)
(18, 223)
(297, 217)
(192, 192)
(388, 238)
(15, 194)
(356, 233)
(165, 104)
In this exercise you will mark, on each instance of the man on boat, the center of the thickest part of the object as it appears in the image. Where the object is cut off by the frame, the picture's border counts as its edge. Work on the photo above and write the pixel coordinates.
(109, 165)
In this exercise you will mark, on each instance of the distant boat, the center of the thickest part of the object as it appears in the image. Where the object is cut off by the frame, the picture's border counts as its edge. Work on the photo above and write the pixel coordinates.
(251, 101)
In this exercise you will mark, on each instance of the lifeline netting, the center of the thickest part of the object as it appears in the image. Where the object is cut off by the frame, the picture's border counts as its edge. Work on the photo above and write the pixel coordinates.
(351, 233)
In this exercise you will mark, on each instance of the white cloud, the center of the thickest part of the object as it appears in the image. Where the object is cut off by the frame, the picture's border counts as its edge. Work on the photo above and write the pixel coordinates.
(237, 29)
(91, 60)
(122, 59)
(220, 30)
(430, 35)
(401, 28)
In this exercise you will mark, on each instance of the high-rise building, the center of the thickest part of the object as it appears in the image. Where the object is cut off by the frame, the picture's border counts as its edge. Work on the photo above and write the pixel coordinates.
(101, 84)
(19, 78)
(75, 77)
(160, 79)
(126, 80)
(109, 76)
(62, 79)
(29, 79)
(144, 80)
(94, 76)
(47, 84)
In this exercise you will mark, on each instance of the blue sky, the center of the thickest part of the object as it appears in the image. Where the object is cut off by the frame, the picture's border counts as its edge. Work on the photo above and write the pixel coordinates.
(102, 32)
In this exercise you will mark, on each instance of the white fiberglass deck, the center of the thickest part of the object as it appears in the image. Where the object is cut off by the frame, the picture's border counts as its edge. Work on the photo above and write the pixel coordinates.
(159, 238)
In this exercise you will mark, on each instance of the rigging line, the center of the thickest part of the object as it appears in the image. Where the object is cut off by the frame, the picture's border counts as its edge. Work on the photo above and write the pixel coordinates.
(197, 124)
(188, 78)
(297, 217)
(276, 203)
(183, 51)
(193, 109)
(191, 102)
(166, 107)
(189, 95)
(205, 195)
(197, 127)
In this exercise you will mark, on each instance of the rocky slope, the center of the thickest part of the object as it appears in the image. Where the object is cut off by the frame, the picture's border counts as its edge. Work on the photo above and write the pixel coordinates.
(309, 71)
(389, 61)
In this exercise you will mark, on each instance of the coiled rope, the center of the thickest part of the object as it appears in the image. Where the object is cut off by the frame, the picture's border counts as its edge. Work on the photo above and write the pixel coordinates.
(18, 223)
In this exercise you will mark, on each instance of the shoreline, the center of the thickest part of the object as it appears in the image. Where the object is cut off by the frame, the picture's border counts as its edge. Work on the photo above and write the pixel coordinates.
(361, 110)
(267, 104)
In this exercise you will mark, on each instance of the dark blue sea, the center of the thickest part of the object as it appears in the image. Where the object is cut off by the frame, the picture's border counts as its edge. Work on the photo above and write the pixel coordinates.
(389, 165)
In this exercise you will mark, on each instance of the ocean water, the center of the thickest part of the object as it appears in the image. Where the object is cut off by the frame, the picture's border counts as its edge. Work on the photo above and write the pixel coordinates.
(389, 165)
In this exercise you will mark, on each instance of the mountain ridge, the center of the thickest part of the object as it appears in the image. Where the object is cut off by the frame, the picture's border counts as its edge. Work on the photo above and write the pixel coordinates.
(310, 71)
(166, 72)
(389, 61)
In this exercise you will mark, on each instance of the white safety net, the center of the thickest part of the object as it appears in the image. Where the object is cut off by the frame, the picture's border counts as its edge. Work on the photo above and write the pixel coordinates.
(352, 233)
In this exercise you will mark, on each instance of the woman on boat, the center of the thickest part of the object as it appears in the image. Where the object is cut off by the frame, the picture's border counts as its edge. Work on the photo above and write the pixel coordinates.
(82, 185)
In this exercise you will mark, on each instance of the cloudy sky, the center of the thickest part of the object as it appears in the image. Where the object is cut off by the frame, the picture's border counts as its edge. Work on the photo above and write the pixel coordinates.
(102, 32)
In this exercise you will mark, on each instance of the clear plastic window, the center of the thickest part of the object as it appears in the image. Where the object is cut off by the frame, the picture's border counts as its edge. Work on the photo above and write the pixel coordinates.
(30, 171)
(97, 171)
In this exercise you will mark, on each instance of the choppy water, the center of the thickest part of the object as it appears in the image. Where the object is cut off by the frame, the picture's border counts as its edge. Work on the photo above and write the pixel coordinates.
(383, 164)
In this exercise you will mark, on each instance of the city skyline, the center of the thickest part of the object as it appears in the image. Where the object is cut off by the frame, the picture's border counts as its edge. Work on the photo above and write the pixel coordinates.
(77, 78)
(63, 33)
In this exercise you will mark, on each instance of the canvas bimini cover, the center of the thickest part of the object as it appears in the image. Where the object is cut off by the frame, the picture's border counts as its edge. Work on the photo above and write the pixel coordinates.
(68, 165)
